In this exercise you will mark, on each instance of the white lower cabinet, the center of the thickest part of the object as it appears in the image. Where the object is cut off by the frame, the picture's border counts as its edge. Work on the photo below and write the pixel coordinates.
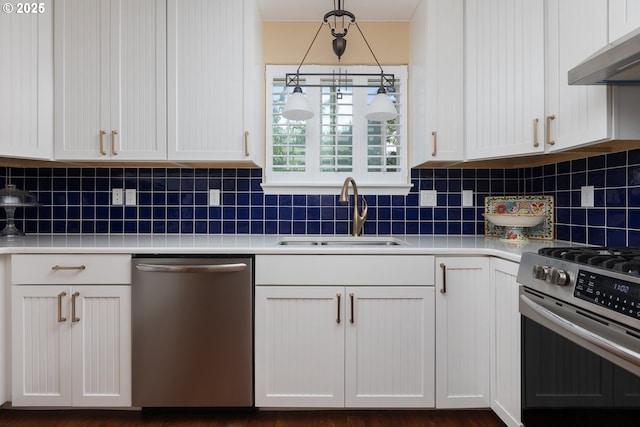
(462, 332)
(319, 344)
(354, 347)
(71, 342)
(505, 342)
(71, 346)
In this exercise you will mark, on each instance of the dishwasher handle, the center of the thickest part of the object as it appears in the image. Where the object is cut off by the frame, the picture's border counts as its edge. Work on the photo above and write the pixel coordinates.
(192, 268)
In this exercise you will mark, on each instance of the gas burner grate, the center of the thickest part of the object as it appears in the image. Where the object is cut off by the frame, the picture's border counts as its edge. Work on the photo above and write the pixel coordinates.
(626, 260)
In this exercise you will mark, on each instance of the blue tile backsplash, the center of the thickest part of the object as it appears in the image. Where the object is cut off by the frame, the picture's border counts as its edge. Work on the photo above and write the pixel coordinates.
(174, 200)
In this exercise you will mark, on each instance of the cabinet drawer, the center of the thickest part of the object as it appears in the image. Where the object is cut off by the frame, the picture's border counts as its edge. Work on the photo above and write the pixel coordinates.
(352, 270)
(70, 269)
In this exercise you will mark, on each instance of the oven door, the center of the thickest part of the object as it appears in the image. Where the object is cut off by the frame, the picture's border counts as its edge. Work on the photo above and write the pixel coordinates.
(611, 341)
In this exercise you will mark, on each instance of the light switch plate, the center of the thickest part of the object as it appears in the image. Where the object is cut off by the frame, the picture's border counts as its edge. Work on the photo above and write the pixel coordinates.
(467, 198)
(214, 197)
(586, 196)
(428, 197)
(130, 197)
(116, 197)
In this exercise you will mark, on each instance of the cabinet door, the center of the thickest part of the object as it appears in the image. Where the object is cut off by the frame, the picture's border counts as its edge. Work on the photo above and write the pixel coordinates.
(26, 83)
(504, 77)
(462, 333)
(299, 346)
(436, 66)
(390, 347)
(101, 337)
(41, 346)
(624, 17)
(212, 52)
(110, 85)
(575, 29)
(505, 342)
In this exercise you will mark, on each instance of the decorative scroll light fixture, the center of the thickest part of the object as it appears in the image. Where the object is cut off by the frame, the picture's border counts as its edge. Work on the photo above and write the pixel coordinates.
(297, 107)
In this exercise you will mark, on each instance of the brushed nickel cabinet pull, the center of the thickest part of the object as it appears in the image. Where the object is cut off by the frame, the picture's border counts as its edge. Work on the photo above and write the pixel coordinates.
(351, 297)
(535, 132)
(60, 317)
(444, 278)
(70, 267)
(102, 134)
(435, 143)
(73, 307)
(113, 142)
(246, 143)
(338, 318)
(548, 130)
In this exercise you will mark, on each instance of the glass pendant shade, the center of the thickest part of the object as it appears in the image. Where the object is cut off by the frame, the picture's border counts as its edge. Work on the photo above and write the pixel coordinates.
(297, 107)
(381, 108)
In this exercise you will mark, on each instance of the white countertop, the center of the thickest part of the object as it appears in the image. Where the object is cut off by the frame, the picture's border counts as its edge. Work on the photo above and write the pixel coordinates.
(263, 244)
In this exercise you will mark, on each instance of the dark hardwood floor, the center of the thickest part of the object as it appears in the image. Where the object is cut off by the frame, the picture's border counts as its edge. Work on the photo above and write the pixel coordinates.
(374, 418)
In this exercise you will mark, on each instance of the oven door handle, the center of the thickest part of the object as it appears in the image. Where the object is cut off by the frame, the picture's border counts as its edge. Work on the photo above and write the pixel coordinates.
(603, 343)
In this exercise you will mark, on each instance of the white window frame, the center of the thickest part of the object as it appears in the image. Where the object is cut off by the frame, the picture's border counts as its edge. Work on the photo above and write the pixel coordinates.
(312, 180)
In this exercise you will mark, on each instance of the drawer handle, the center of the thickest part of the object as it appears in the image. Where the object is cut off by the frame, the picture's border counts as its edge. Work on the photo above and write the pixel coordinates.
(70, 267)
(60, 317)
(338, 318)
(73, 307)
(444, 278)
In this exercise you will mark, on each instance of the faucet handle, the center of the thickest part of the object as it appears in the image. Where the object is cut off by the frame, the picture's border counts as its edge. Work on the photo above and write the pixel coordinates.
(365, 209)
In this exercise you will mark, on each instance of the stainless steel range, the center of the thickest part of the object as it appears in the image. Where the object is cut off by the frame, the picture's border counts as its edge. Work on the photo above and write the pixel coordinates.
(589, 295)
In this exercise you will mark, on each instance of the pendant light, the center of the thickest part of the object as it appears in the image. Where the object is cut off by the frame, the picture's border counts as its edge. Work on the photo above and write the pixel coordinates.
(297, 107)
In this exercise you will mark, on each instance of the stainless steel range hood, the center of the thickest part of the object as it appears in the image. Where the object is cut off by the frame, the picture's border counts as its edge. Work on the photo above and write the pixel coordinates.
(618, 63)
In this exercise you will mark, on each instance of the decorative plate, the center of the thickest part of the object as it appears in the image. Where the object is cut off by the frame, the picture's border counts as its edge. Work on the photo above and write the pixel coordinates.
(521, 205)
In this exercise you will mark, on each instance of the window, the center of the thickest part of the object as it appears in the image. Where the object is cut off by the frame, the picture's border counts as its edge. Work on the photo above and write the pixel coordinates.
(315, 156)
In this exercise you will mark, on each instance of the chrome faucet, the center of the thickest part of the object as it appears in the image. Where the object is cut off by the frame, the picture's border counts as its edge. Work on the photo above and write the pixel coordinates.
(358, 218)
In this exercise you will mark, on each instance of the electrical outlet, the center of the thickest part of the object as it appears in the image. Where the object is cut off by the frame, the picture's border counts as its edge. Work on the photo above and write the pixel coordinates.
(214, 197)
(428, 198)
(130, 197)
(467, 198)
(586, 196)
(116, 196)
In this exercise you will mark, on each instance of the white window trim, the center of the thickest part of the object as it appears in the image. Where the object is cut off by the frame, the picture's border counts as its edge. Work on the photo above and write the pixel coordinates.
(314, 182)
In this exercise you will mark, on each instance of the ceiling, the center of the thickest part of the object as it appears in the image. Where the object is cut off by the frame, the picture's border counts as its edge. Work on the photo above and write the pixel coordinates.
(314, 10)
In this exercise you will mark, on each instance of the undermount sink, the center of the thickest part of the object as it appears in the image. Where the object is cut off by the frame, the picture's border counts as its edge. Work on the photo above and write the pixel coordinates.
(341, 240)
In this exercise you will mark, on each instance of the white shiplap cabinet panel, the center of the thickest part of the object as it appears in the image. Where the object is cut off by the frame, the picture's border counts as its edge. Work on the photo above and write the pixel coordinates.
(41, 347)
(61, 362)
(390, 347)
(110, 88)
(26, 83)
(462, 333)
(437, 83)
(575, 30)
(215, 78)
(505, 343)
(299, 346)
(624, 17)
(101, 355)
(504, 78)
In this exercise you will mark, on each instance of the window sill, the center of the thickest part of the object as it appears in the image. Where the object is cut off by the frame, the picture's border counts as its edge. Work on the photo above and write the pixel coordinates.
(375, 189)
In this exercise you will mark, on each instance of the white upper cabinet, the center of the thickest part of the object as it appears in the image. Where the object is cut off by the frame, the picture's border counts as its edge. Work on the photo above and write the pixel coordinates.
(110, 86)
(575, 114)
(504, 78)
(437, 83)
(215, 81)
(624, 17)
(26, 82)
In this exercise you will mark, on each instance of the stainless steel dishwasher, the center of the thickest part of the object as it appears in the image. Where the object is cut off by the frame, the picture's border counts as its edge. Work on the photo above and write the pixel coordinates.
(192, 331)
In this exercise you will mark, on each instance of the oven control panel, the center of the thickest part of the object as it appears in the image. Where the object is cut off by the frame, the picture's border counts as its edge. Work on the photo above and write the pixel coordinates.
(615, 294)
